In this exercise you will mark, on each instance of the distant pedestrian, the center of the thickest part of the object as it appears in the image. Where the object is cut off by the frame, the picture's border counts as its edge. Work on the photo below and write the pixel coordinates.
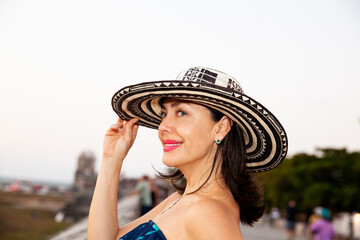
(290, 212)
(144, 189)
(323, 228)
(308, 212)
(316, 214)
(274, 216)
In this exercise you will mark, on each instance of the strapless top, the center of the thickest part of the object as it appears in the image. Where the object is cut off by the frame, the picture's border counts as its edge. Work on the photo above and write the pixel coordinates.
(145, 231)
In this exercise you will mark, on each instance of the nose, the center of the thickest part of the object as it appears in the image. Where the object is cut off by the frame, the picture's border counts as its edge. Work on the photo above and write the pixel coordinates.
(166, 125)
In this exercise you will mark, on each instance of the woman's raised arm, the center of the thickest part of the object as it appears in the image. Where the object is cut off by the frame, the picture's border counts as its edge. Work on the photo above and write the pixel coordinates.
(103, 220)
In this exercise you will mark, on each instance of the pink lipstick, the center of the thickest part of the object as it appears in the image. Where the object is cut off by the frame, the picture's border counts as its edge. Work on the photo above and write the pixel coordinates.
(169, 145)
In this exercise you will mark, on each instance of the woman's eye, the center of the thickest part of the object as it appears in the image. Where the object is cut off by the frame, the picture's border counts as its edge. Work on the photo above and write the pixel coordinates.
(181, 113)
(163, 114)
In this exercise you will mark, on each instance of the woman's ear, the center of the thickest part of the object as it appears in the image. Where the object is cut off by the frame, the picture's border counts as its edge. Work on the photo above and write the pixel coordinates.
(222, 128)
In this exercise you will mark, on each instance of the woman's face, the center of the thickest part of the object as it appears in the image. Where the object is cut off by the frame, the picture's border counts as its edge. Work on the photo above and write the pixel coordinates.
(186, 132)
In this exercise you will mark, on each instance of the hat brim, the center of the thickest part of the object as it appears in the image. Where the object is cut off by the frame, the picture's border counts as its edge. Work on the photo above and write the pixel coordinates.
(265, 138)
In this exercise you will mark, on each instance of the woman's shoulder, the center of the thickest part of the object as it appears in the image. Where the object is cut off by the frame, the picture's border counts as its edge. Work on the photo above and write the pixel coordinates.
(206, 207)
(212, 219)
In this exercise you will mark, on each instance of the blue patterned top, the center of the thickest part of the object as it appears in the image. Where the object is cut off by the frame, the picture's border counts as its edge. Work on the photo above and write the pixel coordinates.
(145, 231)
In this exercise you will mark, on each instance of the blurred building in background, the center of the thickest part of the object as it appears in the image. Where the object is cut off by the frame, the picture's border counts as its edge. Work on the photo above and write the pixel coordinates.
(82, 189)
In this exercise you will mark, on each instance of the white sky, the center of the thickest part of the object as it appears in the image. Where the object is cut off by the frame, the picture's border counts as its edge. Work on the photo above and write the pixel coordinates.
(62, 61)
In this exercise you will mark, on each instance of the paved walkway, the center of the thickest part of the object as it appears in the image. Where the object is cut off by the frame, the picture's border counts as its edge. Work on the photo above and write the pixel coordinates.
(260, 232)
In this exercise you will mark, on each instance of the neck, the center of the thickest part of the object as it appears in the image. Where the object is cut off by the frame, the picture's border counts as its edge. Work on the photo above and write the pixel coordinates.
(197, 171)
(196, 179)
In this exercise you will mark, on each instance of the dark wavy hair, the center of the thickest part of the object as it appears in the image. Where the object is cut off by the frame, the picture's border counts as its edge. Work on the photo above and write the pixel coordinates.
(243, 185)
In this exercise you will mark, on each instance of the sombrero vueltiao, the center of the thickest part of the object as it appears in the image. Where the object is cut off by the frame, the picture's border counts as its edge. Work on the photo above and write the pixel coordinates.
(265, 138)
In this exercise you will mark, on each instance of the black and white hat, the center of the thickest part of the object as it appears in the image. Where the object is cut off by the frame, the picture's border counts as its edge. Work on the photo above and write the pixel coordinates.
(265, 138)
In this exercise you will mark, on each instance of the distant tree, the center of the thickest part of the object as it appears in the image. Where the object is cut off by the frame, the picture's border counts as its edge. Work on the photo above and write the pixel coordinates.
(330, 178)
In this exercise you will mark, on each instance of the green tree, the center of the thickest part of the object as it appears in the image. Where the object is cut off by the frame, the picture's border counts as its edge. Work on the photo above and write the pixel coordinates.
(330, 178)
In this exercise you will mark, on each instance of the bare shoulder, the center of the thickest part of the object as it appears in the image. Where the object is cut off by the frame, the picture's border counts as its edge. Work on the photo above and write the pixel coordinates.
(212, 219)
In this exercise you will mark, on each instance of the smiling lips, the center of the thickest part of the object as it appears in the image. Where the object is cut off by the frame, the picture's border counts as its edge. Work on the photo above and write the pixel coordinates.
(170, 145)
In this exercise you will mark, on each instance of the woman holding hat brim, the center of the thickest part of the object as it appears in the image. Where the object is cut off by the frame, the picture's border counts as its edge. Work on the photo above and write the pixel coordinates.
(213, 135)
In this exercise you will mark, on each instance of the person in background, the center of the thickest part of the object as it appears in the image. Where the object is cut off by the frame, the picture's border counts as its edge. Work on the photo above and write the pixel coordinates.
(143, 187)
(316, 214)
(308, 213)
(274, 216)
(290, 215)
(323, 228)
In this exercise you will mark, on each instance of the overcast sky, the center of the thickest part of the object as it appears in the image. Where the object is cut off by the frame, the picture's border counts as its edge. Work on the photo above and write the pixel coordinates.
(62, 61)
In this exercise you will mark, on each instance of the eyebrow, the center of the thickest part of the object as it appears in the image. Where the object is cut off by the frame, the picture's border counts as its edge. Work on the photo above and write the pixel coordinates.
(174, 104)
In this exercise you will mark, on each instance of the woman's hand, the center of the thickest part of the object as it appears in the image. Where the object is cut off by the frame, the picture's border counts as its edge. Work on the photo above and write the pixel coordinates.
(103, 217)
(118, 140)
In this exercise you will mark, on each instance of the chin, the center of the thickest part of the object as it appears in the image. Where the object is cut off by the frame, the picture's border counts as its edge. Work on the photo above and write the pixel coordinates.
(169, 161)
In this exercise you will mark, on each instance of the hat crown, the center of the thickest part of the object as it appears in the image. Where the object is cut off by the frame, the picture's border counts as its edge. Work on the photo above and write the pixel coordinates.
(211, 76)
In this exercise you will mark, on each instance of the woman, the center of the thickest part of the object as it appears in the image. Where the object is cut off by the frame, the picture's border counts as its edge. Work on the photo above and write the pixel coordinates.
(322, 228)
(213, 135)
